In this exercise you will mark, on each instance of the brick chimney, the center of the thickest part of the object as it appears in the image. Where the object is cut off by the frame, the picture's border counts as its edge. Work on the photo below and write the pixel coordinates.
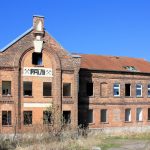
(38, 28)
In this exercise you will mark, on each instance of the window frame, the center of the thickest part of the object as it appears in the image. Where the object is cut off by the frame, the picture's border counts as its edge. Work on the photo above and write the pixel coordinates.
(148, 90)
(141, 113)
(8, 122)
(116, 88)
(8, 94)
(31, 89)
(50, 83)
(139, 88)
(30, 122)
(106, 112)
(130, 117)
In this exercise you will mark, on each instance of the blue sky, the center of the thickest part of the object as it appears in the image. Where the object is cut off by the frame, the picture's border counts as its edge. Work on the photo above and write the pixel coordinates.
(104, 27)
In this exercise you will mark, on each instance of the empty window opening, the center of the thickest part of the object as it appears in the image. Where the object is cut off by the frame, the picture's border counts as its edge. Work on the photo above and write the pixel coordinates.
(6, 117)
(6, 87)
(66, 89)
(67, 117)
(148, 88)
(128, 115)
(27, 88)
(139, 116)
(139, 90)
(27, 117)
(116, 89)
(47, 89)
(104, 89)
(127, 89)
(37, 58)
(47, 117)
(89, 89)
(148, 113)
(130, 68)
(104, 115)
(90, 116)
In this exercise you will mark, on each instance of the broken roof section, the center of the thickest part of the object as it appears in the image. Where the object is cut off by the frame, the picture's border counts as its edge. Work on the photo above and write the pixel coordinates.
(113, 63)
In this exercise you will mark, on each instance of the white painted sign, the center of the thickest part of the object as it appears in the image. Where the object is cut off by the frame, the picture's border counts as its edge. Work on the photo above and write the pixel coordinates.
(40, 105)
(37, 71)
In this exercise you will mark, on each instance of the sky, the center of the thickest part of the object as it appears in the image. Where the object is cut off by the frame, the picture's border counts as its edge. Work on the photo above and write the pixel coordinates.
(102, 27)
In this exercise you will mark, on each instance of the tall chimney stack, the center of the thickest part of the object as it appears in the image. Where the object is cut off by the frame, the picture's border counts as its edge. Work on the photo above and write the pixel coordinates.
(38, 29)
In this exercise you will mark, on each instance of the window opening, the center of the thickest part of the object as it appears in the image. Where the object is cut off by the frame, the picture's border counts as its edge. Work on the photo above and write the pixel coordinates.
(47, 89)
(127, 89)
(66, 89)
(36, 58)
(89, 89)
(6, 117)
(6, 87)
(27, 88)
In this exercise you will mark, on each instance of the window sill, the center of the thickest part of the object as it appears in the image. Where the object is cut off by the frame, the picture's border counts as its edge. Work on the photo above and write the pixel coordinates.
(139, 121)
(6, 95)
(28, 125)
(139, 96)
(127, 122)
(25, 96)
(115, 96)
(104, 122)
(47, 96)
(128, 96)
(67, 96)
(38, 65)
(91, 123)
(7, 126)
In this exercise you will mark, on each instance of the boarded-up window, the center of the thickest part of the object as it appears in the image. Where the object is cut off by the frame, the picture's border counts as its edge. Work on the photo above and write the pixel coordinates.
(103, 89)
(104, 115)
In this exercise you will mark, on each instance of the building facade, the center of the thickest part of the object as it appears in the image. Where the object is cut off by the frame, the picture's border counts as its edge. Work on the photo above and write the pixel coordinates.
(96, 91)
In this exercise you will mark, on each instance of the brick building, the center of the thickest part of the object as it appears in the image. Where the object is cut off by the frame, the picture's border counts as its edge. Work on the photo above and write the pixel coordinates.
(100, 91)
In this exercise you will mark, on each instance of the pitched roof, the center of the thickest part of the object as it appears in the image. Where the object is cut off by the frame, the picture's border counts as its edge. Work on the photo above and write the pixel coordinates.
(114, 63)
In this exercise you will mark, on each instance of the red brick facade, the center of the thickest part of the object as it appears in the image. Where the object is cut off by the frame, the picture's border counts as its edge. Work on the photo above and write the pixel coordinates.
(22, 95)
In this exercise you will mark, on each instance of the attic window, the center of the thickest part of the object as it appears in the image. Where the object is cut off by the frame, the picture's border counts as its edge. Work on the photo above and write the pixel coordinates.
(37, 58)
(130, 68)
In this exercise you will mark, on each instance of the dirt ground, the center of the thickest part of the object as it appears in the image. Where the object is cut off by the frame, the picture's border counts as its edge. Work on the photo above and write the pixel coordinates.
(132, 145)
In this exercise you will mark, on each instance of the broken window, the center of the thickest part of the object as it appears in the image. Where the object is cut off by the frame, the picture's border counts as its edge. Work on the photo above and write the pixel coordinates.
(104, 115)
(103, 89)
(139, 116)
(36, 58)
(89, 89)
(116, 89)
(148, 90)
(6, 117)
(6, 87)
(47, 117)
(47, 89)
(66, 89)
(139, 90)
(90, 116)
(27, 88)
(128, 114)
(148, 113)
(127, 89)
(130, 68)
(67, 117)
(27, 117)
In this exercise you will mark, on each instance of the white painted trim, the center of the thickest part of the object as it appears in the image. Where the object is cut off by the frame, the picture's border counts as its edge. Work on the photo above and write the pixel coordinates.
(41, 105)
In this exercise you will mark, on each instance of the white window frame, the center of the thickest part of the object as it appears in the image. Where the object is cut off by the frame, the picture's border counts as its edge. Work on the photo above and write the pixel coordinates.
(139, 89)
(148, 89)
(118, 88)
(140, 118)
(129, 115)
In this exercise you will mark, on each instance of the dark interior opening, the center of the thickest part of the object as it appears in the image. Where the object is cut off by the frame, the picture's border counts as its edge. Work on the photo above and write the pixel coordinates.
(67, 117)
(127, 89)
(27, 117)
(89, 89)
(47, 89)
(6, 87)
(103, 115)
(27, 88)
(37, 58)
(148, 113)
(66, 89)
